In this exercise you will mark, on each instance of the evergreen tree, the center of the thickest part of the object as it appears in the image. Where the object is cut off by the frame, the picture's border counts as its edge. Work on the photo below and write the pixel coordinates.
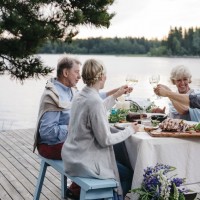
(27, 24)
(196, 42)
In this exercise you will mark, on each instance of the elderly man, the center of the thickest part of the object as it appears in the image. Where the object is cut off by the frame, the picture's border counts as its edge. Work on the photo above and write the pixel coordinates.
(54, 110)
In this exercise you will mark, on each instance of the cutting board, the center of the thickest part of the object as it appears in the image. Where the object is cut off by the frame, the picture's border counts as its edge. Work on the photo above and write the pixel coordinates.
(157, 133)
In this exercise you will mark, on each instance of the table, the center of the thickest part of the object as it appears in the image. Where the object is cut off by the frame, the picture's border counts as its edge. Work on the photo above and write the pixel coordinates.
(182, 153)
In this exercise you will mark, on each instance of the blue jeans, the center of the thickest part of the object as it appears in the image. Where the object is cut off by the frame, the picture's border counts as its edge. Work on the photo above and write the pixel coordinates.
(117, 197)
(126, 176)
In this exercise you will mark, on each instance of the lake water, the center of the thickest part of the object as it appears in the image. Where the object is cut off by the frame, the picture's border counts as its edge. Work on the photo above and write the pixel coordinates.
(19, 103)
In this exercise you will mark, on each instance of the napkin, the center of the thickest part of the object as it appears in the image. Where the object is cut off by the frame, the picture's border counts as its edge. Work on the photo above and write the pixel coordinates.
(143, 103)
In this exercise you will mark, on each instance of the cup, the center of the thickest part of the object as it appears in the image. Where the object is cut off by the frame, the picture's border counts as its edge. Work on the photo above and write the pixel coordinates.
(119, 105)
(126, 105)
(146, 122)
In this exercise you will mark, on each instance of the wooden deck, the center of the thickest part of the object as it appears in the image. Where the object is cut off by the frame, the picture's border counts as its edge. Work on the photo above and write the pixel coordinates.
(19, 168)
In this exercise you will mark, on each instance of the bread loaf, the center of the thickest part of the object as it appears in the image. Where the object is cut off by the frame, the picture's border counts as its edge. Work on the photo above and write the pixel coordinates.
(131, 117)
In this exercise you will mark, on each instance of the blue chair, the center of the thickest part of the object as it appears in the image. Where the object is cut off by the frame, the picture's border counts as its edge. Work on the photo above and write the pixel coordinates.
(91, 188)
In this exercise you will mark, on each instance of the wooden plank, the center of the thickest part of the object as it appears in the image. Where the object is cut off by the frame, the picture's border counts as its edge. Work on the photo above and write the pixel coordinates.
(3, 194)
(26, 135)
(18, 164)
(31, 164)
(9, 188)
(25, 194)
(20, 167)
(56, 176)
(13, 174)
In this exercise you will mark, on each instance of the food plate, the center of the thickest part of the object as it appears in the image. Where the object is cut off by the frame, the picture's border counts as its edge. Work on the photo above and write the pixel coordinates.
(153, 114)
(159, 117)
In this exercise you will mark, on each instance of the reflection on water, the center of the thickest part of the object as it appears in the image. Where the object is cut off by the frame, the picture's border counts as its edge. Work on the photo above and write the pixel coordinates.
(19, 103)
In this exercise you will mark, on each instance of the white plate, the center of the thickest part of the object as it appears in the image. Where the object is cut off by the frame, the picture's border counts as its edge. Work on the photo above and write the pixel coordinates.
(152, 114)
(150, 128)
(121, 125)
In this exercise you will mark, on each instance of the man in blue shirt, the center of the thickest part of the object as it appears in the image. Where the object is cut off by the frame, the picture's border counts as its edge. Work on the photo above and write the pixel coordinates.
(54, 111)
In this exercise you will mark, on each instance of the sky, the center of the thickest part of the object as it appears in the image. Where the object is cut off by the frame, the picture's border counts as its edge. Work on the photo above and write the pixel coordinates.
(147, 18)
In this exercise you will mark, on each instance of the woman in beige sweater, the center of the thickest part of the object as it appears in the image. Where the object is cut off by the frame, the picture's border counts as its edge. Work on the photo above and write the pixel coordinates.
(88, 150)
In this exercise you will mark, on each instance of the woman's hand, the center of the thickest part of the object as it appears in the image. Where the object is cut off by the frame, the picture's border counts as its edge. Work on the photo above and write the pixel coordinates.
(135, 126)
(122, 90)
(130, 89)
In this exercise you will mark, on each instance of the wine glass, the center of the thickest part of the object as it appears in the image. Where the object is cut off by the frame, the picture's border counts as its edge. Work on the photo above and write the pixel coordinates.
(131, 81)
(154, 80)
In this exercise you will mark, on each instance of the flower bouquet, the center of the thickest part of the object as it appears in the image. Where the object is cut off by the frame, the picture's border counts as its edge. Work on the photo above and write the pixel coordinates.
(157, 185)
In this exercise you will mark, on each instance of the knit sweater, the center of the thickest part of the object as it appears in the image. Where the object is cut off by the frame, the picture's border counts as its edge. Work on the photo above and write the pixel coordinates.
(49, 102)
(88, 150)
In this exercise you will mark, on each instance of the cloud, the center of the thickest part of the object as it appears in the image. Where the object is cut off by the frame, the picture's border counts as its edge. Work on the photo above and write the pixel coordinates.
(148, 18)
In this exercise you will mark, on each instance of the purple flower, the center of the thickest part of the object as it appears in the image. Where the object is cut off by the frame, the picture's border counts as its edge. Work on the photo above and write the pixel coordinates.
(178, 181)
(157, 185)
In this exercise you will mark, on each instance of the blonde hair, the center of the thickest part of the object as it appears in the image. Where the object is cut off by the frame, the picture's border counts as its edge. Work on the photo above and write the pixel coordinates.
(179, 72)
(92, 71)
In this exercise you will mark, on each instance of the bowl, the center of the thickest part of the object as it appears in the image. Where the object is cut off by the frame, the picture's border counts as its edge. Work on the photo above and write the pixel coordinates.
(159, 118)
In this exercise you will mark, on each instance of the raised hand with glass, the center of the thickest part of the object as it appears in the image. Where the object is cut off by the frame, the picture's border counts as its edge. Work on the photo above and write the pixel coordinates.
(154, 80)
(131, 81)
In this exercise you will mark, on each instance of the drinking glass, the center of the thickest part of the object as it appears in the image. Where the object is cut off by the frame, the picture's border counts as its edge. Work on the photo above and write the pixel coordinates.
(154, 80)
(131, 81)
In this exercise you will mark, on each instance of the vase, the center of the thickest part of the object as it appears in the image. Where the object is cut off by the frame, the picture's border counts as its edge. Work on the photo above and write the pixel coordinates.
(190, 196)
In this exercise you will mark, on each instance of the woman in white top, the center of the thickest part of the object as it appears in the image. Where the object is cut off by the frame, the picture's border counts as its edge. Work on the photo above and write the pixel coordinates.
(88, 150)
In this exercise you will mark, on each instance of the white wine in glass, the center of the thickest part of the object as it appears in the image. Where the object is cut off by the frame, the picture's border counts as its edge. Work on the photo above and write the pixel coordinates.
(131, 81)
(154, 80)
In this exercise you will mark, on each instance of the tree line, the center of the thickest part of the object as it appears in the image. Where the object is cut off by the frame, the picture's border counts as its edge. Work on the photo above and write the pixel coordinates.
(179, 42)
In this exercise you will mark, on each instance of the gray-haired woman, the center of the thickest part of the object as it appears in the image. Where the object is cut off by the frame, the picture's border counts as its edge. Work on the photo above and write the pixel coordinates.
(88, 150)
(181, 77)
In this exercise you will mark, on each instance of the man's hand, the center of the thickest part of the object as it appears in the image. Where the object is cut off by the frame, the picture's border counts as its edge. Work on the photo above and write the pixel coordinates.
(162, 90)
(158, 110)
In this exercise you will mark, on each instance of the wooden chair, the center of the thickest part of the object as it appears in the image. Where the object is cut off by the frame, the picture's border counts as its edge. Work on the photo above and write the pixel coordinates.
(91, 188)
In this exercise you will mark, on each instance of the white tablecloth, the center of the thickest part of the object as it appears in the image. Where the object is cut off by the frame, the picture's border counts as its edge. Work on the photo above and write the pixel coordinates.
(184, 154)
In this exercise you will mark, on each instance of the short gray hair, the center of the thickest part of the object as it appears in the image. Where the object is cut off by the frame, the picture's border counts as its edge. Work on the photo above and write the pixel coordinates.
(179, 72)
(66, 63)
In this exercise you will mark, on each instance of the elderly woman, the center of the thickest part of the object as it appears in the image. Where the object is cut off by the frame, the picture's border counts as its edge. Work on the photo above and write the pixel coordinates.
(88, 150)
(191, 100)
(181, 78)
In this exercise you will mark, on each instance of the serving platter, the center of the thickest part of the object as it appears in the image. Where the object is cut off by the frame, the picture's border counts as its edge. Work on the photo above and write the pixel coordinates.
(159, 133)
